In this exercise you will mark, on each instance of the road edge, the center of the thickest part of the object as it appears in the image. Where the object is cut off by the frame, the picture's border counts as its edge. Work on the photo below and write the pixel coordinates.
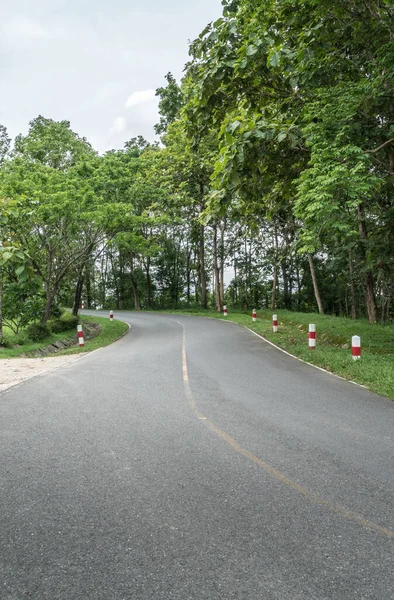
(289, 354)
(78, 356)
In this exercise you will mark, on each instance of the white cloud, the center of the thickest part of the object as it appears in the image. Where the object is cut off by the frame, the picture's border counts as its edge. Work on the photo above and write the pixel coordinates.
(119, 125)
(79, 62)
(140, 98)
(23, 27)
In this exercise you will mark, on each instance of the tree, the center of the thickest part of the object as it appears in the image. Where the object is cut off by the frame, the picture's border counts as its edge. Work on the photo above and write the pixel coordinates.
(4, 143)
(170, 104)
(53, 209)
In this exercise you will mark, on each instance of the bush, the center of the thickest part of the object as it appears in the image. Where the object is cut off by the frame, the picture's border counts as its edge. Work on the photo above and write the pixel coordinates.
(56, 325)
(66, 322)
(5, 342)
(37, 332)
(20, 338)
(56, 312)
(21, 305)
(70, 321)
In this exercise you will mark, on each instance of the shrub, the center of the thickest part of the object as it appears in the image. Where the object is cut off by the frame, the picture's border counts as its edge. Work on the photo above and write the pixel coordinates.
(21, 305)
(56, 311)
(56, 325)
(66, 322)
(21, 338)
(70, 321)
(37, 332)
(5, 342)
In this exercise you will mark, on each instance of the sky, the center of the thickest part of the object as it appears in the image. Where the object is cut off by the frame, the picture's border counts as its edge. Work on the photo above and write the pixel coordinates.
(95, 63)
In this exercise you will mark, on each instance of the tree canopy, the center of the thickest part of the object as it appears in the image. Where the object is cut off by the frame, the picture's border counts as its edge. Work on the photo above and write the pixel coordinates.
(272, 185)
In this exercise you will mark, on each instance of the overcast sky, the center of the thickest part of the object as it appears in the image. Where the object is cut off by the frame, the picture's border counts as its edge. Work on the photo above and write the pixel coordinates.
(95, 63)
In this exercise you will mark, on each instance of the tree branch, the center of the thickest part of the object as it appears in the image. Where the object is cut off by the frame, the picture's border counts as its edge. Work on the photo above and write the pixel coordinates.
(380, 147)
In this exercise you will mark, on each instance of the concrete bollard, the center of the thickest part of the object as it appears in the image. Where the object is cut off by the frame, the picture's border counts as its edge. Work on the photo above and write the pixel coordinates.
(80, 335)
(275, 323)
(254, 315)
(356, 347)
(225, 311)
(83, 304)
(312, 336)
(111, 315)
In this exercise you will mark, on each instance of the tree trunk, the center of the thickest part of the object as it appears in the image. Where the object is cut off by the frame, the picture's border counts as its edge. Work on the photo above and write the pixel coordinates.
(203, 275)
(78, 293)
(298, 287)
(291, 278)
(104, 269)
(286, 295)
(353, 290)
(315, 285)
(121, 280)
(274, 284)
(188, 274)
(196, 277)
(116, 282)
(148, 283)
(222, 229)
(275, 281)
(216, 272)
(235, 282)
(134, 284)
(370, 300)
(88, 286)
(1, 306)
(221, 275)
(50, 295)
(175, 278)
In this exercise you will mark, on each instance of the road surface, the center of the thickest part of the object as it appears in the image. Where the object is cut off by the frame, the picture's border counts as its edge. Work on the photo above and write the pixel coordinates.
(191, 460)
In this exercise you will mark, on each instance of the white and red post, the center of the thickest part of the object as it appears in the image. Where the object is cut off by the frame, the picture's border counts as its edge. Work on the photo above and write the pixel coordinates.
(80, 335)
(356, 347)
(275, 323)
(312, 336)
(224, 311)
(83, 304)
(111, 315)
(254, 315)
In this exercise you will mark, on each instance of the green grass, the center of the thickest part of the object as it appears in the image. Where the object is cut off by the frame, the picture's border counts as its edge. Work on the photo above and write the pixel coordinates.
(109, 332)
(375, 370)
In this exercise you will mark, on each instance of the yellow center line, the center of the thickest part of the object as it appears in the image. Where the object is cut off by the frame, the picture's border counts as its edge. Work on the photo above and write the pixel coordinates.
(312, 496)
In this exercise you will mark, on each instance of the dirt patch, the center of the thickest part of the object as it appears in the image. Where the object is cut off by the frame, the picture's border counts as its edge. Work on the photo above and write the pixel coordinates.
(15, 370)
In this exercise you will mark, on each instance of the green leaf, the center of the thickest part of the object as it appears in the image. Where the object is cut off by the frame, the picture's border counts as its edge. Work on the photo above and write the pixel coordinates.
(251, 50)
(274, 59)
(234, 126)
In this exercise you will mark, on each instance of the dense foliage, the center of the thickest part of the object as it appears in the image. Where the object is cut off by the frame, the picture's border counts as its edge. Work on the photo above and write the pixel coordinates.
(275, 167)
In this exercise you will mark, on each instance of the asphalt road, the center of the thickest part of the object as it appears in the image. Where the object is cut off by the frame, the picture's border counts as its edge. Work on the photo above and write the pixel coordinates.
(191, 460)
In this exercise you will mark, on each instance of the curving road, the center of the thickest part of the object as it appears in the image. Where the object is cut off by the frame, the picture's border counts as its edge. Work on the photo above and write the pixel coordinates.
(191, 460)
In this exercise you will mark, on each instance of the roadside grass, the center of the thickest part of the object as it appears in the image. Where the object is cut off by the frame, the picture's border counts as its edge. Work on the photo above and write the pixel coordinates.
(375, 370)
(20, 345)
(109, 332)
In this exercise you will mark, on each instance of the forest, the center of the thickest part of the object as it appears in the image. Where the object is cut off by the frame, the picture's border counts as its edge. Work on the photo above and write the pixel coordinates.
(271, 186)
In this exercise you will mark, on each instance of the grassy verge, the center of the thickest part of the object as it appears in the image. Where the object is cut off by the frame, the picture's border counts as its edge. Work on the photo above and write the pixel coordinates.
(107, 334)
(375, 370)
